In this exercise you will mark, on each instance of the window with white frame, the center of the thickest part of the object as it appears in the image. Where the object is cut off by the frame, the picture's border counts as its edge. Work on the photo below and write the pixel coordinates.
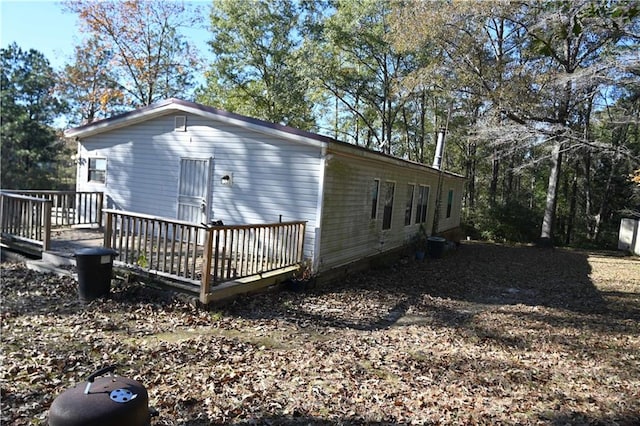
(97, 170)
(388, 190)
(408, 209)
(422, 204)
(375, 190)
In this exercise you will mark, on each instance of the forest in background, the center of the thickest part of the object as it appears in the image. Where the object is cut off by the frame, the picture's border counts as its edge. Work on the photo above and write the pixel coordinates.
(539, 100)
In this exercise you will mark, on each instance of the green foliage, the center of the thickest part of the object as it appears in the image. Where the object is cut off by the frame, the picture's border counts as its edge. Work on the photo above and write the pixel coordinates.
(512, 222)
(526, 76)
(30, 147)
(140, 43)
(258, 68)
(359, 69)
(142, 261)
(89, 84)
(419, 240)
(508, 79)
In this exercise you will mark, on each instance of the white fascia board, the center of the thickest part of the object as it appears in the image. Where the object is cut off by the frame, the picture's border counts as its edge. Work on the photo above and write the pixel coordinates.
(102, 126)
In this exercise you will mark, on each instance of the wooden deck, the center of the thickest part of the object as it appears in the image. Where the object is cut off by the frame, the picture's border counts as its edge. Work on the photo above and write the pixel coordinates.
(215, 261)
(67, 241)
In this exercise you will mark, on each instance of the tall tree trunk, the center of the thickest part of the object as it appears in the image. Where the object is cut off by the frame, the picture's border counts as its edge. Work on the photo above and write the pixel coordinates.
(423, 122)
(587, 194)
(532, 188)
(603, 203)
(546, 234)
(587, 169)
(337, 116)
(572, 206)
(493, 187)
(510, 194)
(412, 151)
(471, 176)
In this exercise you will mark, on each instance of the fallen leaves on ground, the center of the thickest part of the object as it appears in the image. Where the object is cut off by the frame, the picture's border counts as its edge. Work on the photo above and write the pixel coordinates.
(488, 334)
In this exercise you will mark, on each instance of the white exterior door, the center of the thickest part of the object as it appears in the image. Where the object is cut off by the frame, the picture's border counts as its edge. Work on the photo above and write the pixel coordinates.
(193, 189)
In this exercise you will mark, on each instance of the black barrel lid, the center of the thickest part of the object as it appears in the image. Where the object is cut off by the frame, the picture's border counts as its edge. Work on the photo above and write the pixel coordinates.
(436, 239)
(96, 251)
(110, 401)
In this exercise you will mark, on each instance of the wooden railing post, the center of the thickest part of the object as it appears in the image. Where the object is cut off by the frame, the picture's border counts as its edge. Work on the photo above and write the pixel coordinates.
(46, 237)
(108, 231)
(100, 202)
(301, 231)
(214, 254)
(206, 267)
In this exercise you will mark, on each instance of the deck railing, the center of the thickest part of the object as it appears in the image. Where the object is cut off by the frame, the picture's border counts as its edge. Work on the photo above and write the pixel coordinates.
(70, 207)
(198, 254)
(163, 246)
(25, 219)
(238, 251)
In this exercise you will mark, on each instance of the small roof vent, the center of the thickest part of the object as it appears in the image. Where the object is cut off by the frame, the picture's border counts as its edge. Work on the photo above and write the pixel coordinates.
(180, 123)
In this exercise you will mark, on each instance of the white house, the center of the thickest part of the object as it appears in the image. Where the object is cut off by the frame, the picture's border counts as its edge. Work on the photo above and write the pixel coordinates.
(188, 161)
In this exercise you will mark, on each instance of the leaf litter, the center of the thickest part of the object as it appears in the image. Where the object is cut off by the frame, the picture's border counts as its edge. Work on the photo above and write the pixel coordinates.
(488, 334)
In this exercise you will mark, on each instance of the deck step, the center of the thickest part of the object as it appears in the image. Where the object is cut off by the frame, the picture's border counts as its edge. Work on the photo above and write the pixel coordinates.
(58, 258)
(45, 267)
(247, 285)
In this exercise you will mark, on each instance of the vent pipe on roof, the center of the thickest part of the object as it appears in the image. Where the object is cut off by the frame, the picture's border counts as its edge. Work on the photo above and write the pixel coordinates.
(437, 158)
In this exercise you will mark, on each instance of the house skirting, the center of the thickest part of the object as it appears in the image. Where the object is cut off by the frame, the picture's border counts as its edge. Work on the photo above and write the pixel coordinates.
(381, 260)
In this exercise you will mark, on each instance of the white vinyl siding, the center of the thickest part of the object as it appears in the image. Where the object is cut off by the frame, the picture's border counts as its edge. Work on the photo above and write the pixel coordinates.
(273, 178)
(348, 232)
(450, 212)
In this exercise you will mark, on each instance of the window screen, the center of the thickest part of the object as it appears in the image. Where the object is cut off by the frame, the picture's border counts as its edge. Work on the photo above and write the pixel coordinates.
(449, 203)
(387, 194)
(422, 204)
(409, 205)
(375, 189)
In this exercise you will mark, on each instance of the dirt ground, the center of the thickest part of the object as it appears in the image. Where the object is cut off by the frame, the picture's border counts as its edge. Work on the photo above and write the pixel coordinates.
(489, 334)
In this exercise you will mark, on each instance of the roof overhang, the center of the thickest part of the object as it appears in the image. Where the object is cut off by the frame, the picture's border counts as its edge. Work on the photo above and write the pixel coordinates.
(349, 150)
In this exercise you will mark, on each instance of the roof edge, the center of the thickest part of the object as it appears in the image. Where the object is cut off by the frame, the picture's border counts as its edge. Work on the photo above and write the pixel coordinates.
(160, 107)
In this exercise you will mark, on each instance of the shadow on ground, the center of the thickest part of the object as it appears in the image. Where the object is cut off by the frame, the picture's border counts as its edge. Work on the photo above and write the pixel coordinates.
(551, 418)
(452, 290)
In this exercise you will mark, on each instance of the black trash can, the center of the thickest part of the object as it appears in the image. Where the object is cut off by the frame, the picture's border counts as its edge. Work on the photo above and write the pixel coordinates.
(435, 247)
(95, 267)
